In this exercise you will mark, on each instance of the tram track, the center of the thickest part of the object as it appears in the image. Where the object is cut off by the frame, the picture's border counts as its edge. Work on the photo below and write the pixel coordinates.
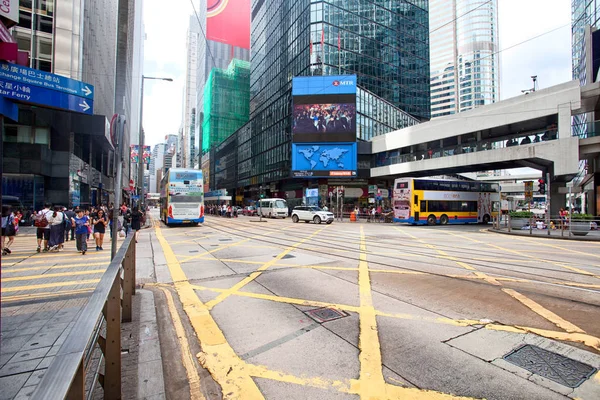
(228, 229)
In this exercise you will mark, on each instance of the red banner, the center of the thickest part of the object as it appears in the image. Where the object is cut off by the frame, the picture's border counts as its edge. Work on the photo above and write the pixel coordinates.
(228, 21)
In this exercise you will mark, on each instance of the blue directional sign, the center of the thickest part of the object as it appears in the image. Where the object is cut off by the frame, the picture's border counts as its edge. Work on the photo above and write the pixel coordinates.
(23, 75)
(45, 97)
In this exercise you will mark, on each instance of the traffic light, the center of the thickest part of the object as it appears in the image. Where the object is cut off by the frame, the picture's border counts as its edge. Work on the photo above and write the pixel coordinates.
(541, 186)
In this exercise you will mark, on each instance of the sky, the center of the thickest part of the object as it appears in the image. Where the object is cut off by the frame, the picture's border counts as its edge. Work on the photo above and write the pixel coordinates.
(547, 56)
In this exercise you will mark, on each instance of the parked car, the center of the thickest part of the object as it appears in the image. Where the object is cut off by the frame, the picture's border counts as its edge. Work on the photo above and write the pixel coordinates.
(311, 213)
(250, 211)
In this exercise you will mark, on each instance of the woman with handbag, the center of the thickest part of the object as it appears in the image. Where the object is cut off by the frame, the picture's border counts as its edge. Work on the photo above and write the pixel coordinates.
(8, 229)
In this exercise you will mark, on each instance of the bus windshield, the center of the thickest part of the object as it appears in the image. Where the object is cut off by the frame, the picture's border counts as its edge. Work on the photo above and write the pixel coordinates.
(280, 204)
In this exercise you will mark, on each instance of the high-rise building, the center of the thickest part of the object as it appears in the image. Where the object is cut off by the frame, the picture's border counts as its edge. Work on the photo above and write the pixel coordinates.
(465, 69)
(78, 40)
(585, 21)
(188, 139)
(226, 103)
(156, 164)
(384, 44)
(227, 31)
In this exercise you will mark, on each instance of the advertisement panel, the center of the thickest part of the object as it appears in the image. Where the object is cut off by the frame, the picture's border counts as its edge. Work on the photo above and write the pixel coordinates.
(228, 21)
(315, 160)
(9, 9)
(134, 153)
(324, 126)
(324, 109)
(186, 185)
(147, 154)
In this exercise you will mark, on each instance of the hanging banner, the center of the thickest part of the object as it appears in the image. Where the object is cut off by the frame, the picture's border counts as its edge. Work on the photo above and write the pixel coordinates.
(147, 154)
(135, 153)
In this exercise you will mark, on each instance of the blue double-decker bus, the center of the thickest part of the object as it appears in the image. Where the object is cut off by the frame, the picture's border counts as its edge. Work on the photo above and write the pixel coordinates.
(182, 197)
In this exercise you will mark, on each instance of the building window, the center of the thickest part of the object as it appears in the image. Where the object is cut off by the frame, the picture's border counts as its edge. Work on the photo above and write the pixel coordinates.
(42, 136)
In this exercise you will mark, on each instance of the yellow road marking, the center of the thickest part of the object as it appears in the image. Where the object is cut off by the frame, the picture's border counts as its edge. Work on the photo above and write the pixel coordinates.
(54, 267)
(50, 262)
(547, 314)
(217, 356)
(280, 299)
(48, 285)
(371, 374)
(72, 273)
(258, 272)
(44, 295)
(186, 354)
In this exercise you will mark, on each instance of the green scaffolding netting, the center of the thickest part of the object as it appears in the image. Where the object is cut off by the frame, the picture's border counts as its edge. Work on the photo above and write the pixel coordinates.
(226, 102)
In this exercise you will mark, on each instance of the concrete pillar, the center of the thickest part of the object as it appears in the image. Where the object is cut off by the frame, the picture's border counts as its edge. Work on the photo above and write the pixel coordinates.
(557, 200)
(564, 121)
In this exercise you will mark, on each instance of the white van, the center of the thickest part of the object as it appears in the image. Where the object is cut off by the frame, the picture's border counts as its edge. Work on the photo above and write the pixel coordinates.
(272, 208)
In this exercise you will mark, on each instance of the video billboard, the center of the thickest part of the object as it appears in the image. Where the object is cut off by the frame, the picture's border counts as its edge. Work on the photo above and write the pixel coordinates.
(324, 126)
(324, 109)
(228, 21)
(319, 160)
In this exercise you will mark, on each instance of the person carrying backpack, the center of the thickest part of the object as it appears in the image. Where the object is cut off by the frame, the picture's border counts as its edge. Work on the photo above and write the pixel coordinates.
(8, 228)
(43, 227)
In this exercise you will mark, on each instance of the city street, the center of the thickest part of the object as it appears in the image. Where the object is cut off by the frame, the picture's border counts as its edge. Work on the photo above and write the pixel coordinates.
(401, 311)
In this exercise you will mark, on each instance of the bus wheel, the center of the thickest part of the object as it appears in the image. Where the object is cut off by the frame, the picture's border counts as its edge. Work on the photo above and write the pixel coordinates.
(444, 219)
(486, 219)
(431, 220)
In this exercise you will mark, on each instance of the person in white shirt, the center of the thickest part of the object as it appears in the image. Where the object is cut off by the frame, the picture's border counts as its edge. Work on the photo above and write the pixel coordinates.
(43, 232)
(57, 229)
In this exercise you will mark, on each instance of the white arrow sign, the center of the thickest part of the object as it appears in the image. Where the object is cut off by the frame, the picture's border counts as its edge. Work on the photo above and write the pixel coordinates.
(86, 90)
(84, 105)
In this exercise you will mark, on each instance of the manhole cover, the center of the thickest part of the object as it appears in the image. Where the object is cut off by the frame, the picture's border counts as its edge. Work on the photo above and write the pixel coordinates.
(560, 369)
(286, 256)
(325, 314)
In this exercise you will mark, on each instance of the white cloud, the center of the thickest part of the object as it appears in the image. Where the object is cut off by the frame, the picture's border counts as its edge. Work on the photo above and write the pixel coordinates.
(166, 25)
(547, 56)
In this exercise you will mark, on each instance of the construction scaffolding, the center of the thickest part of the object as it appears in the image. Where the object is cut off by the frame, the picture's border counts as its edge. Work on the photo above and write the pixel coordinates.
(226, 103)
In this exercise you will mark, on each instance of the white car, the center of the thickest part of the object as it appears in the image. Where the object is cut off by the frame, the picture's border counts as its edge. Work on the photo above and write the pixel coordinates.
(311, 213)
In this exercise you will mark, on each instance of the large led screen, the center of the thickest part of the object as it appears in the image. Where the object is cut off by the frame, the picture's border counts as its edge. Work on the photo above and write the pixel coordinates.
(324, 109)
(313, 160)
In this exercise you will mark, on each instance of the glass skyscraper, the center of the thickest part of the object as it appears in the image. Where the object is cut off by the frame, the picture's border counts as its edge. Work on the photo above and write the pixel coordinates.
(464, 60)
(384, 43)
(584, 12)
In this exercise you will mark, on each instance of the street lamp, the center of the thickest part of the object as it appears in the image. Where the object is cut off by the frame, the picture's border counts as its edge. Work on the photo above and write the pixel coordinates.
(141, 150)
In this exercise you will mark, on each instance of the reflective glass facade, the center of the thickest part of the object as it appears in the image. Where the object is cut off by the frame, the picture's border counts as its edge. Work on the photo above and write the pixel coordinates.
(464, 64)
(583, 12)
(385, 43)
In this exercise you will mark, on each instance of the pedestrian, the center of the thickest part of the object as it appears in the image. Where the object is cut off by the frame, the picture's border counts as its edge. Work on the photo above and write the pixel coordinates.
(8, 229)
(43, 227)
(136, 221)
(81, 223)
(70, 226)
(100, 222)
(89, 228)
(57, 229)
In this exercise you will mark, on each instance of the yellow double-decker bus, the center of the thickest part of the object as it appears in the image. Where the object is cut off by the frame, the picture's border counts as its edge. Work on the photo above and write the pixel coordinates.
(421, 201)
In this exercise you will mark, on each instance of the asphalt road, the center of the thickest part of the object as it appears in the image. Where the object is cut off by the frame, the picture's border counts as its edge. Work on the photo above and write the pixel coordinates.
(418, 312)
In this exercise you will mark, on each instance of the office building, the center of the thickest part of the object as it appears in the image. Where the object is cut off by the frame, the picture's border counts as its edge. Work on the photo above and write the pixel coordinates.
(226, 103)
(156, 164)
(227, 31)
(465, 69)
(385, 45)
(585, 21)
(66, 157)
(188, 139)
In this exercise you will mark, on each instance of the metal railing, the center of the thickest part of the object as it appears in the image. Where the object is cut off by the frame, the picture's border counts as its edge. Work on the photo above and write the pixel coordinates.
(109, 306)
(569, 225)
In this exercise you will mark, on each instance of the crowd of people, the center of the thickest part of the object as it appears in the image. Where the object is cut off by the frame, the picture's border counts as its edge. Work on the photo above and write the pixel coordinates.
(324, 118)
(56, 225)
(223, 210)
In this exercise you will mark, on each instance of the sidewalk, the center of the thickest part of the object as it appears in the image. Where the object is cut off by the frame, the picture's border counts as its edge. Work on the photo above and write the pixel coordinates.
(42, 297)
